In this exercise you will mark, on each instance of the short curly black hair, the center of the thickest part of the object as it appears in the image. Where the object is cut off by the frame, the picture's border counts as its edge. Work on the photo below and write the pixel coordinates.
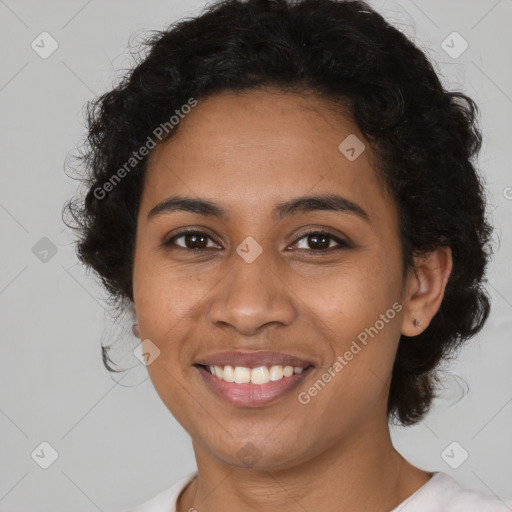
(425, 138)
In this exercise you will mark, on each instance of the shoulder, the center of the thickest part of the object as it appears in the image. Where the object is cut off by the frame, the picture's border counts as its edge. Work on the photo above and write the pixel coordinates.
(444, 494)
(165, 501)
(466, 500)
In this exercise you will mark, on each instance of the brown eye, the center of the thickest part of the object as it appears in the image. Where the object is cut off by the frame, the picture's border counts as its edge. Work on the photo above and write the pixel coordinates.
(321, 241)
(191, 240)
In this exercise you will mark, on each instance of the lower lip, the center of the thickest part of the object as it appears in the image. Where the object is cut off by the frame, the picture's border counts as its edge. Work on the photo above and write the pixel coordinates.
(252, 395)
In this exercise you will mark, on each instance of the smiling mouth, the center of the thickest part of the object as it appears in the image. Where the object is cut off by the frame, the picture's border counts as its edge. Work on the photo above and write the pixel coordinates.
(252, 387)
(258, 375)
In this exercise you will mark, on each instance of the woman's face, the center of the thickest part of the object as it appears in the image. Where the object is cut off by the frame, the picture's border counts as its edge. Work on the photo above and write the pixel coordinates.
(249, 283)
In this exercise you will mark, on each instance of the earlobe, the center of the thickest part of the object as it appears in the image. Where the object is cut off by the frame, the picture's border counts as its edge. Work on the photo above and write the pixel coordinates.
(425, 290)
(135, 325)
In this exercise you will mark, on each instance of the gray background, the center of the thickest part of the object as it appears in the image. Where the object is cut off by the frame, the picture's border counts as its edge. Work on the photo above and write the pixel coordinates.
(117, 444)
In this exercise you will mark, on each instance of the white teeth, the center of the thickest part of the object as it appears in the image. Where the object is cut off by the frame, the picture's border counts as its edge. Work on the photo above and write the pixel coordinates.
(258, 375)
(242, 375)
(276, 373)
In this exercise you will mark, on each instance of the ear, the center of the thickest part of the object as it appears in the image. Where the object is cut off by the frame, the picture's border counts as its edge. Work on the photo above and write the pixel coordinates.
(424, 290)
(135, 324)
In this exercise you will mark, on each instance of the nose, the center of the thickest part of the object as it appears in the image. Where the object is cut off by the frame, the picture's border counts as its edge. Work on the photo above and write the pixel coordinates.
(251, 296)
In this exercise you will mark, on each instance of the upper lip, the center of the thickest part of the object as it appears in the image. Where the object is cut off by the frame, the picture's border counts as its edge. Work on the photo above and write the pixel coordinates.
(252, 359)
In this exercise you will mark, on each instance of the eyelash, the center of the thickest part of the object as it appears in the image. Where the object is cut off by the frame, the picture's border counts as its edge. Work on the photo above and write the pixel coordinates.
(341, 243)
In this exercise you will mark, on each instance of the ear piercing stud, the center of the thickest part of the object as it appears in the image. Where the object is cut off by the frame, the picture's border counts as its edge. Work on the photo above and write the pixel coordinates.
(417, 323)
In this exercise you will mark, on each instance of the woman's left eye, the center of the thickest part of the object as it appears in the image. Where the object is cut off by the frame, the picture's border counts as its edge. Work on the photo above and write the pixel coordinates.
(321, 240)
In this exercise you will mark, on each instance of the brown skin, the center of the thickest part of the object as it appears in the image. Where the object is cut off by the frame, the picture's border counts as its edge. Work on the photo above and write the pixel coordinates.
(248, 152)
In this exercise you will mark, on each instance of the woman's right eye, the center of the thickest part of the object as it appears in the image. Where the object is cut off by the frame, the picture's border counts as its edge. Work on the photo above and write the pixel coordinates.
(193, 240)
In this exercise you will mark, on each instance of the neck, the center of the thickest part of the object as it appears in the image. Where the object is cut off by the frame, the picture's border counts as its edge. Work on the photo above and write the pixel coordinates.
(365, 473)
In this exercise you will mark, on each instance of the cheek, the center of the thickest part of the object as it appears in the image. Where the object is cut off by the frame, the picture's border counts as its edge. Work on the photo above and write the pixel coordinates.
(163, 293)
(358, 311)
(168, 301)
(363, 319)
(162, 303)
(349, 296)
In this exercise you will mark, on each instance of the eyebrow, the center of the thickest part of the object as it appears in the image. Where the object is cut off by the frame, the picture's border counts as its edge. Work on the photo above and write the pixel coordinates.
(303, 204)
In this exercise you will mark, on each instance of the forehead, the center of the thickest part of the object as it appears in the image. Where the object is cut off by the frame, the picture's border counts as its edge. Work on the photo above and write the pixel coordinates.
(242, 148)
